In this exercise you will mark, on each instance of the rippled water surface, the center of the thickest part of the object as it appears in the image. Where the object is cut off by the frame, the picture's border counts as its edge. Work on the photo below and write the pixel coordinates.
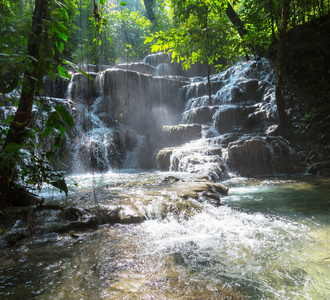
(270, 240)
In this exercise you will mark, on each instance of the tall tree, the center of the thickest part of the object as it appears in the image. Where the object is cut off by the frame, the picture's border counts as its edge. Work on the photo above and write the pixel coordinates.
(17, 130)
(44, 48)
(17, 133)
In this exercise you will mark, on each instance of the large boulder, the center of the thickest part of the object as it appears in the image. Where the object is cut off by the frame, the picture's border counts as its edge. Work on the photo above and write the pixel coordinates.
(247, 91)
(193, 158)
(320, 168)
(163, 159)
(232, 118)
(205, 192)
(256, 156)
(179, 134)
(199, 115)
(83, 90)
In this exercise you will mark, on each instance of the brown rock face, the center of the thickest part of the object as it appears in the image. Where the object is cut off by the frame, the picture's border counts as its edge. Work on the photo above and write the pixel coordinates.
(180, 134)
(258, 156)
(163, 159)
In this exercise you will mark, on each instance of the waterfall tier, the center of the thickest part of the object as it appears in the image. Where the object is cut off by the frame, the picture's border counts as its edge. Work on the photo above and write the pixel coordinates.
(128, 117)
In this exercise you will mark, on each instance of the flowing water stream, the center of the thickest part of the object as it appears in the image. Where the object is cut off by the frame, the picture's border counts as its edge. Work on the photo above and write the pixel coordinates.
(270, 240)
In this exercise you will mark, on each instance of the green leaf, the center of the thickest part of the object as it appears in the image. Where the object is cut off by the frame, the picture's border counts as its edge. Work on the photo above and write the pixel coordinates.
(63, 72)
(61, 31)
(103, 1)
(13, 147)
(51, 75)
(85, 74)
(122, 3)
(67, 118)
(64, 14)
(61, 185)
(60, 47)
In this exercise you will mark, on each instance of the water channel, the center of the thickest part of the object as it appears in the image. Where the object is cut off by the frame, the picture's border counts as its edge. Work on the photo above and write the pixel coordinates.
(269, 240)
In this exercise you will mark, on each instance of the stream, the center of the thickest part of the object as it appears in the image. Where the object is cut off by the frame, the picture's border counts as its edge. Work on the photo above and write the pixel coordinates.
(174, 233)
(269, 240)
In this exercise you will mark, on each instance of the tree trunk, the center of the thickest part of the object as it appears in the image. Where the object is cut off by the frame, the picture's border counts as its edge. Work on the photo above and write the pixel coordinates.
(238, 23)
(209, 87)
(284, 121)
(235, 19)
(149, 5)
(17, 130)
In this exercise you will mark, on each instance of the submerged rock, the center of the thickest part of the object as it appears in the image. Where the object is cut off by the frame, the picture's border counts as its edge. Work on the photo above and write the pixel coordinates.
(206, 192)
(123, 204)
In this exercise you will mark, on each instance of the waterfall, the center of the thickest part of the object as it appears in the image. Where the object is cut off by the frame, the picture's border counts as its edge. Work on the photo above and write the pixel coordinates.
(120, 117)
(151, 115)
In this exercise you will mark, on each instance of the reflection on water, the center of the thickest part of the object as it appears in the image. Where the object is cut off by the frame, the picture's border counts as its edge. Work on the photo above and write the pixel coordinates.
(269, 241)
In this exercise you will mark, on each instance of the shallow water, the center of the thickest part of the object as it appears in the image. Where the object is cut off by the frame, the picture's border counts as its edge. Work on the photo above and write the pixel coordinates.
(270, 240)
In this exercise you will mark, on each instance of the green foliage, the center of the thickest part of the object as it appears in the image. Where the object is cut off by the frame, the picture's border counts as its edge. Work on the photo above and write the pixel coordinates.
(126, 30)
(14, 29)
(35, 162)
(262, 17)
(202, 33)
(34, 165)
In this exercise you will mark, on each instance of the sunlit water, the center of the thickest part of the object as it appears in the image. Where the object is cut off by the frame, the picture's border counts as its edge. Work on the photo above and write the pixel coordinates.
(270, 240)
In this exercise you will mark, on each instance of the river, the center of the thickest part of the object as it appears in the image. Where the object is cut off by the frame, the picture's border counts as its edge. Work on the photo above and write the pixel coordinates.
(270, 240)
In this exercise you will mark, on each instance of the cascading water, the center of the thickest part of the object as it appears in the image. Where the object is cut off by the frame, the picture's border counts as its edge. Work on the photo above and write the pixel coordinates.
(167, 234)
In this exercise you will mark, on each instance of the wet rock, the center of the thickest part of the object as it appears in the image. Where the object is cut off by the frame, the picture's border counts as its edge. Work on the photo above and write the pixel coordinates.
(230, 137)
(199, 115)
(320, 168)
(206, 192)
(130, 138)
(56, 88)
(130, 99)
(145, 157)
(83, 89)
(180, 134)
(184, 207)
(120, 140)
(138, 67)
(128, 215)
(163, 159)
(212, 187)
(255, 120)
(249, 85)
(175, 68)
(71, 213)
(232, 119)
(262, 156)
(247, 92)
(92, 156)
(89, 223)
(203, 159)
(171, 179)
